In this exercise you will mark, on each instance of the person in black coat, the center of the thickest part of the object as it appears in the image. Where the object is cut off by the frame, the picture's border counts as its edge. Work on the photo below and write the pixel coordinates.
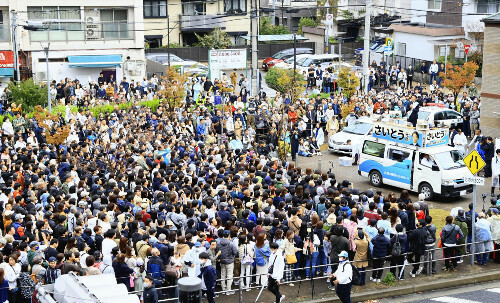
(208, 276)
(417, 240)
(414, 115)
(398, 261)
(381, 249)
(150, 294)
(122, 271)
(294, 140)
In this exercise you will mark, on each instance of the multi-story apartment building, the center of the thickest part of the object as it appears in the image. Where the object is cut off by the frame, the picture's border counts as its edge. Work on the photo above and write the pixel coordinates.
(84, 38)
(437, 25)
(177, 21)
(289, 12)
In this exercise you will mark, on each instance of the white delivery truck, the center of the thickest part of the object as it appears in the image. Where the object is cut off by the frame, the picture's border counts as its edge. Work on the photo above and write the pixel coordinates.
(415, 160)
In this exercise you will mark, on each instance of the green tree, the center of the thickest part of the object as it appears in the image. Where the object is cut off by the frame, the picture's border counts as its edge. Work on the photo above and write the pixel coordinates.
(306, 21)
(267, 28)
(28, 93)
(217, 39)
(348, 81)
(283, 81)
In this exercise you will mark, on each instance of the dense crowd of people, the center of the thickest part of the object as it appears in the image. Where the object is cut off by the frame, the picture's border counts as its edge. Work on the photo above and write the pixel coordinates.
(198, 190)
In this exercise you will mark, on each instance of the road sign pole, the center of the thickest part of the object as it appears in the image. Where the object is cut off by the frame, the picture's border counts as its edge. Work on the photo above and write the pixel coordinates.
(473, 216)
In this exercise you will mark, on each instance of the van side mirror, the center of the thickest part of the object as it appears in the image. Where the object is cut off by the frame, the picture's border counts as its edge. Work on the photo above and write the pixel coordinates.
(435, 167)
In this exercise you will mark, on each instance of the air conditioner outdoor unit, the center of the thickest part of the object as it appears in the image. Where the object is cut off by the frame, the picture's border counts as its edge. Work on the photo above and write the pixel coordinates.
(92, 25)
(92, 32)
(41, 76)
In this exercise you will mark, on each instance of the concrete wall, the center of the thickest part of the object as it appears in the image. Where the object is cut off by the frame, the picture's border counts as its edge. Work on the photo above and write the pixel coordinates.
(490, 92)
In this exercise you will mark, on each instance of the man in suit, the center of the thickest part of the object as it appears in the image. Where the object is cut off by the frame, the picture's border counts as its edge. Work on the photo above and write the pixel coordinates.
(311, 119)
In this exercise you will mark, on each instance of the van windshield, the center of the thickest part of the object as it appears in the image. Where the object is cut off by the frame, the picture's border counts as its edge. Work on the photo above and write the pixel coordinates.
(450, 159)
(423, 115)
(358, 128)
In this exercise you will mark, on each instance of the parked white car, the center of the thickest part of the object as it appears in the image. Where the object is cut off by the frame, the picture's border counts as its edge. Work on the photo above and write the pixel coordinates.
(355, 132)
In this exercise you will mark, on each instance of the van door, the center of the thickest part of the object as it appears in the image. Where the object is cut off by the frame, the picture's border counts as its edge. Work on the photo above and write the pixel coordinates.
(424, 178)
(397, 168)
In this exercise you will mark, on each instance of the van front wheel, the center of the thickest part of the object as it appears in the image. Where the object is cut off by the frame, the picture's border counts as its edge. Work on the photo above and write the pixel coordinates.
(426, 189)
(375, 178)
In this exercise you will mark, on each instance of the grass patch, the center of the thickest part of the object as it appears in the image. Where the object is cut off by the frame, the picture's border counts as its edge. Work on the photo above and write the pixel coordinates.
(438, 219)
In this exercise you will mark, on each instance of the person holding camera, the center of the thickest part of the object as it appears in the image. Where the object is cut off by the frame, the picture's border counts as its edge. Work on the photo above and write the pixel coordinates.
(342, 278)
(275, 271)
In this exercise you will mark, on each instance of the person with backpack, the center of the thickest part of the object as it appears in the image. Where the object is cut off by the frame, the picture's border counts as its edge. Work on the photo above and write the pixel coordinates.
(430, 243)
(339, 244)
(451, 234)
(228, 252)
(416, 240)
(262, 253)
(398, 249)
(156, 268)
(461, 221)
(38, 271)
(343, 278)
(208, 276)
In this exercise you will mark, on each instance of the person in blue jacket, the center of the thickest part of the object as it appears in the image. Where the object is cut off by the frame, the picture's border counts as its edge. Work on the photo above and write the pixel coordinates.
(207, 276)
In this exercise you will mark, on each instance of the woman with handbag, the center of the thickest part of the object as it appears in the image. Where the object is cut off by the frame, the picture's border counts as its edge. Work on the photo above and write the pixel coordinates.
(288, 248)
(246, 251)
(262, 253)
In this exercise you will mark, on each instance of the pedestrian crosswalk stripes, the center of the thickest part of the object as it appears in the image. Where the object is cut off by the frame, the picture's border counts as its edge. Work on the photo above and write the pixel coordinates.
(482, 296)
(453, 300)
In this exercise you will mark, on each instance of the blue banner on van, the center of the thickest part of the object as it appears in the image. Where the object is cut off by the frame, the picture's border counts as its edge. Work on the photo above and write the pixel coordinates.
(397, 133)
(436, 137)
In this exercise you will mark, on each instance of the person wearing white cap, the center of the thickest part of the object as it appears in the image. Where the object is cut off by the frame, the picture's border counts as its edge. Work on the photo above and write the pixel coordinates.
(342, 278)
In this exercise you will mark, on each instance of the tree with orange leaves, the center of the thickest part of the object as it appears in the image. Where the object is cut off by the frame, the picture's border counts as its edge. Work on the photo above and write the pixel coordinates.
(174, 91)
(457, 76)
(55, 133)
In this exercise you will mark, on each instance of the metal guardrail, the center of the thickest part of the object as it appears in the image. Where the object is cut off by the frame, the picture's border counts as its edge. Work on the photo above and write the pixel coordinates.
(427, 263)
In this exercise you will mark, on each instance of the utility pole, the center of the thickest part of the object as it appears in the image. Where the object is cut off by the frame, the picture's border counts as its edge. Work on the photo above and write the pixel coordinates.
(282, 11)
(168, 38)
(366, 47)
(327, 27)
(14, 45)
(255, 60)
(49, 100)
(274, 13)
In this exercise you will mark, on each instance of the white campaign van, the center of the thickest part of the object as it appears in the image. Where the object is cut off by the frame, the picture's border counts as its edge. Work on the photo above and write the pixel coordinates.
(419, 161)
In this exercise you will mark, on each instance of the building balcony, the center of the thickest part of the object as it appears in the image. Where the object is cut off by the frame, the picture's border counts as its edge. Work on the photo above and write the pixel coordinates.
(201, 22)
(83, 31)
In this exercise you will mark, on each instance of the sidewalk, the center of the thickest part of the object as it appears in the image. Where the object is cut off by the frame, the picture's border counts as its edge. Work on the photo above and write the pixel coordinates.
(302, 291)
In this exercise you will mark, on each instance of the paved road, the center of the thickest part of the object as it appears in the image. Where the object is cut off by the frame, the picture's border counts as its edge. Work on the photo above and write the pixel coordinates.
(351, 173)
(480, 293)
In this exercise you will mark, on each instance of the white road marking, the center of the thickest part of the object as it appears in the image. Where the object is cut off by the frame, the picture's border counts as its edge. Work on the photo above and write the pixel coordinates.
(497, 290)
(453, 300)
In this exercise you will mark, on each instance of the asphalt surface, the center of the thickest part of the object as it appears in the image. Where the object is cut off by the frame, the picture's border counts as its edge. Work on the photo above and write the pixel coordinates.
(351, 173)
(480, 293)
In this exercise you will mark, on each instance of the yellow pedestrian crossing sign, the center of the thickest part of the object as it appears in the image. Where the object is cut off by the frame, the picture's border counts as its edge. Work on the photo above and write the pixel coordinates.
(474, 162)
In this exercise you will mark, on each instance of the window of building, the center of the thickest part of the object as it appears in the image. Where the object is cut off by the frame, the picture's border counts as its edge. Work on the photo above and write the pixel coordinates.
(435, 4)
(488, 6)
(235, 6)
(155, 9)
(443, 50)
(193, 8)
(54, 13)
(115, 25)
(374, 149)
(401, 49)
(459, 53)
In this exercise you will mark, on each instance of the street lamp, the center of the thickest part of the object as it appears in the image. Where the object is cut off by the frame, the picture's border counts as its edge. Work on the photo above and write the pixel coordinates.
(49, 99)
